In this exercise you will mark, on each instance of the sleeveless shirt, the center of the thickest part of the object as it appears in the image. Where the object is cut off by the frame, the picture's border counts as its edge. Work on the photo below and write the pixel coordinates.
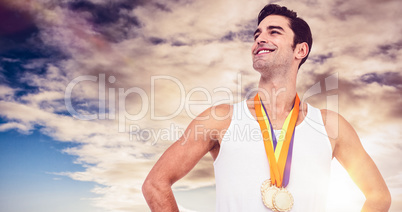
(242, 165)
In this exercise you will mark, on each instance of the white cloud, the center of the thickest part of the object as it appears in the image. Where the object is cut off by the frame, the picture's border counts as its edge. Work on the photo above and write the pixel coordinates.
(24, 129)
(6, 92)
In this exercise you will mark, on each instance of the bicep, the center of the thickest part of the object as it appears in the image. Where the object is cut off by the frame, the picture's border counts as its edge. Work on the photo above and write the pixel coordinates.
(181, 156)
(184, 154)
(351, 155)
(199, 138)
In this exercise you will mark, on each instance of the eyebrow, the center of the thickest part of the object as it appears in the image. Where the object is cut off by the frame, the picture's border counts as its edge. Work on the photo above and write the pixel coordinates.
(270, 28)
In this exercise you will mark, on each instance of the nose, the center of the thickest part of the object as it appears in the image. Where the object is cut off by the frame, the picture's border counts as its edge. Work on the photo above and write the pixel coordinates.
(261, 41)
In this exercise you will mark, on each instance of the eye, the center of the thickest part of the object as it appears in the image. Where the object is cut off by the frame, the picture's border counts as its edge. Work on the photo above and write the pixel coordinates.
(256, 36)
(275, 32)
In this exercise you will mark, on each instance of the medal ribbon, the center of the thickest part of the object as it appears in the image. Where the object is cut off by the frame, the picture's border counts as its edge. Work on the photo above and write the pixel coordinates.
(277, 145)
(279, 153)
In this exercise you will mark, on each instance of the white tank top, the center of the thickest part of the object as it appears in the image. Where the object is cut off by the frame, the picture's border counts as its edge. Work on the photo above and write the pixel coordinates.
(242, 165)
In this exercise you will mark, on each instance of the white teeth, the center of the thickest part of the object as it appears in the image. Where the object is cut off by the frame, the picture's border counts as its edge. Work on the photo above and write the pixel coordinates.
(263, 51)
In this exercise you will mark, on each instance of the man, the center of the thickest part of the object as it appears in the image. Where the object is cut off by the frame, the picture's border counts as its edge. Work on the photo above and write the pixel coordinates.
(249, 174)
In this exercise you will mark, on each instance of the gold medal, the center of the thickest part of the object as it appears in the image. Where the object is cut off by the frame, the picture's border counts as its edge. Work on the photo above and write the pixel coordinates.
(265, 185)
(273, 192)
(267, 192)
(282, 200)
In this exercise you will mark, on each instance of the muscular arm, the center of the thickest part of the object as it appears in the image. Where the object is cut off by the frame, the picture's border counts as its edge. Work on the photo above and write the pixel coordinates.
(350, 153)
(181, 157)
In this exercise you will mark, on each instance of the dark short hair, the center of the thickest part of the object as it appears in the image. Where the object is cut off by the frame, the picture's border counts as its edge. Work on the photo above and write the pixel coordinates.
(299, 27)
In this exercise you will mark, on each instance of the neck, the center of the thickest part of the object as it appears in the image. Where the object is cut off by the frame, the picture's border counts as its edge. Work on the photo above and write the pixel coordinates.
(277, 93)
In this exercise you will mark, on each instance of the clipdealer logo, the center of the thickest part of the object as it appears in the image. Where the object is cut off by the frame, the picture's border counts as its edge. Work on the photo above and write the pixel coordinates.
(107, 108)
(148, 103)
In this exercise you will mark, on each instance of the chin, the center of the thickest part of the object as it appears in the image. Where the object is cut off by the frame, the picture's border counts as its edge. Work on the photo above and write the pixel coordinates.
(260, 67)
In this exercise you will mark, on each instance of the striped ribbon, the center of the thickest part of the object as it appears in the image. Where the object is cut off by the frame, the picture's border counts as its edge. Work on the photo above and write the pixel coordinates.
(279, 153)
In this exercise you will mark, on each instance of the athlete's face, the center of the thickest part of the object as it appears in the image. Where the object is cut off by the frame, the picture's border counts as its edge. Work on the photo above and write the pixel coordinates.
(273, 44)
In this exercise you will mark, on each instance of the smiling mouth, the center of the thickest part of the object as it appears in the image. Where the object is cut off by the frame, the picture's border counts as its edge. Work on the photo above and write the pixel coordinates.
(264, 51)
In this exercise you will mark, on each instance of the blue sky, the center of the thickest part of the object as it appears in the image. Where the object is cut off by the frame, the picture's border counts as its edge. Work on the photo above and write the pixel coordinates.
(144, 69)
(28, 183)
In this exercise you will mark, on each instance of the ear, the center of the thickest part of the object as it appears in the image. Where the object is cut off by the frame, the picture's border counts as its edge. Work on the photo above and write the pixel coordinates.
(301, 50)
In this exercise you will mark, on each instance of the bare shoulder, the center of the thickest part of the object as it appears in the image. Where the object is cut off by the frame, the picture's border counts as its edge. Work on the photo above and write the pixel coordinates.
(221, 112)
(213, 122)
(335, 123)
(216, 115)
(339, 130)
